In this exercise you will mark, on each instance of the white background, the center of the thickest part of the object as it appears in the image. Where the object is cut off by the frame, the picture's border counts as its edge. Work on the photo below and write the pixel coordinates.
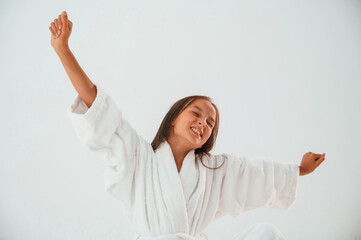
(285, 75)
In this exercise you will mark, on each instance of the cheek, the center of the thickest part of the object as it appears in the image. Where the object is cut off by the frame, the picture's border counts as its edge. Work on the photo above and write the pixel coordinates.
(182, 126)
(189, 121)
(209, 133)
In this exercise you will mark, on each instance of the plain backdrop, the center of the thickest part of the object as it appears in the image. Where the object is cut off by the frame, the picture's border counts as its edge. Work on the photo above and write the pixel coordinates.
(285, 75)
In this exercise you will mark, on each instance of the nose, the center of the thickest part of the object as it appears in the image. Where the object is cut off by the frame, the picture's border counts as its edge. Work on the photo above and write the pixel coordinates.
(201, 123)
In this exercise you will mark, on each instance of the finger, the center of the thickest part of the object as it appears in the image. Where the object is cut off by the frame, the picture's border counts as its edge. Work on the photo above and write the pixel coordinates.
(70, 24)
(320, 161)
(60, 26)
(56, 23)
(59, 22)
(56, 30)
(64, 18)
(321, 158)
(53, 27)
(52, 31)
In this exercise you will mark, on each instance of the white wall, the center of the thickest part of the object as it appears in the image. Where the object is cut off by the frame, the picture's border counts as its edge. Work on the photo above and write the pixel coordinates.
(286, 76)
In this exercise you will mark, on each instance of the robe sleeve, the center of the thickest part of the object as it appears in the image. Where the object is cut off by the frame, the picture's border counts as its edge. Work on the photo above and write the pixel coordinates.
(103, 131)
(251, 183)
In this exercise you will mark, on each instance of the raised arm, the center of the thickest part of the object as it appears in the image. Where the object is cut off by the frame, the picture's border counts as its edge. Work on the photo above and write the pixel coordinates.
(60, 32)
(252, 183)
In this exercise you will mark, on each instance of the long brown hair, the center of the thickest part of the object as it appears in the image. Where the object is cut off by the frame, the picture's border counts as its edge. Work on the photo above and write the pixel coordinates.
(174, 111)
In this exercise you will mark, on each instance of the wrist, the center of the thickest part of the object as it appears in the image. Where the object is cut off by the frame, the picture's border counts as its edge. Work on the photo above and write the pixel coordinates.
(302, 173)
(61, 49)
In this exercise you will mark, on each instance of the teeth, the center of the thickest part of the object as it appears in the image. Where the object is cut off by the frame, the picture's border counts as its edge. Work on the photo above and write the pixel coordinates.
(195, 130)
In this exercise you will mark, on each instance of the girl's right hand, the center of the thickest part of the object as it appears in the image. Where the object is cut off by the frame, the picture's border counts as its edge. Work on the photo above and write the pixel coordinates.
(310, 162)
(60, 31)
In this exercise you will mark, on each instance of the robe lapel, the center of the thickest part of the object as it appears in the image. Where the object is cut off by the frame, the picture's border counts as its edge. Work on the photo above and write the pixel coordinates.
(171, 188)
(193, 178)
(189, 175)
(184, 194)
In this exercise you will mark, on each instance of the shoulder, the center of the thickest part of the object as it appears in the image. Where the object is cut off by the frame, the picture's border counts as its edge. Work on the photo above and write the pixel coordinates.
(231, 160)
(214, 161)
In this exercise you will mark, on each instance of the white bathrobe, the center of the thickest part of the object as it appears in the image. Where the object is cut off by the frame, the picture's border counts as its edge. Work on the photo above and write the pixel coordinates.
(162, 203)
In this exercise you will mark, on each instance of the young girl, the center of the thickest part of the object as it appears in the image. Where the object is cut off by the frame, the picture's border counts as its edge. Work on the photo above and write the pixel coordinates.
(174, 188)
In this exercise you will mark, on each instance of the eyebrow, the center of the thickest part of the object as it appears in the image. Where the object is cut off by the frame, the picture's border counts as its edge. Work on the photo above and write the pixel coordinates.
(200, 109)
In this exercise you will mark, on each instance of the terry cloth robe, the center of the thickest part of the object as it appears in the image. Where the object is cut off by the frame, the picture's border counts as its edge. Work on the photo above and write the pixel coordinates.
(162, 203)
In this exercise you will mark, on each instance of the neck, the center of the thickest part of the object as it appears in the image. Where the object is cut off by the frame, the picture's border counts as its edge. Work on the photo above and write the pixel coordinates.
(180, 149)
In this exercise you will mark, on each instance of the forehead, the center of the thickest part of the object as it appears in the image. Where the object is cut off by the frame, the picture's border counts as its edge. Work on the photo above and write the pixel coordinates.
(204, 105)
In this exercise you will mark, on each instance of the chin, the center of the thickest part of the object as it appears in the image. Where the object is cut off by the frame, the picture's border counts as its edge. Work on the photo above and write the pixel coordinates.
(198, 144)
(194, 142)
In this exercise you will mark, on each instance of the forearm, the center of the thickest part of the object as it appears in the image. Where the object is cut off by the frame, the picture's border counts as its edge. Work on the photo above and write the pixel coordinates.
(82, 84)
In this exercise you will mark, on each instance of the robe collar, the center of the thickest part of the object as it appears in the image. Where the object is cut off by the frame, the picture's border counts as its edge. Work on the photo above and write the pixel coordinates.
(189, 159)
(188, 174)
(182, 190)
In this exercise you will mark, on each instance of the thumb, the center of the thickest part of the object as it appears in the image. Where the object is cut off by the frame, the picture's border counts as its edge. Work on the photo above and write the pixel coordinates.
(64, 21)
(319, 161)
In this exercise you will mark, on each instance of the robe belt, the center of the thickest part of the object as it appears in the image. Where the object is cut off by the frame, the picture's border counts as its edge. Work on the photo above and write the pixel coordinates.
(171, 236)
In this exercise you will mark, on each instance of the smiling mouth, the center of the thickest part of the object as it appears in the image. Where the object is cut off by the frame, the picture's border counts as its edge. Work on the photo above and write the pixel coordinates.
(196, 133)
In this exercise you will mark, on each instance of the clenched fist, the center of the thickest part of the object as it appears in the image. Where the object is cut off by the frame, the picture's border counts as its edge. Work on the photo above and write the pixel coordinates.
(310, 162)
(60, 31)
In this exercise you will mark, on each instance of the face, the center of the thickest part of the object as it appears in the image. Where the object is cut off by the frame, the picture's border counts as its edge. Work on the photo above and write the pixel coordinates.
(200, 115)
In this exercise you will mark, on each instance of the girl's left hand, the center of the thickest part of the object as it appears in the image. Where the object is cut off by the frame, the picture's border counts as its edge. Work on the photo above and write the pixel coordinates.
(310, 162)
